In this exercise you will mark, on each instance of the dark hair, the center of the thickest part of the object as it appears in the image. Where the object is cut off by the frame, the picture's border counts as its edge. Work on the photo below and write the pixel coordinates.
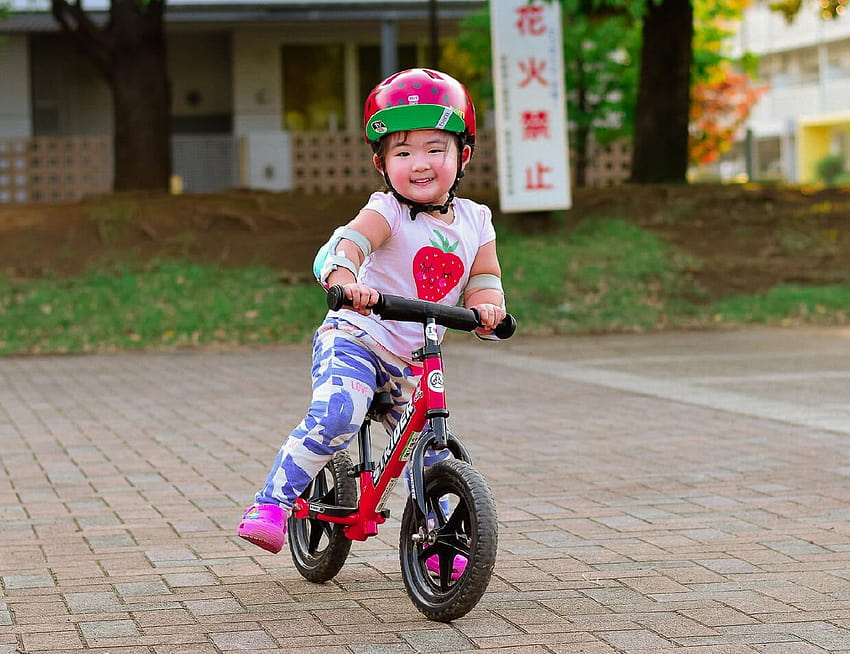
(380, 147)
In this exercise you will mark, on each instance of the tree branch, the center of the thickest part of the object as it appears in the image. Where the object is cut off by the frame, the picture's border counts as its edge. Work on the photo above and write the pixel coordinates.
(88, 37)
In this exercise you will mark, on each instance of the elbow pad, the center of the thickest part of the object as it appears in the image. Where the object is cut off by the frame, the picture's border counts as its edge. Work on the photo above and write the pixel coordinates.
(478, 282)
(330, 257)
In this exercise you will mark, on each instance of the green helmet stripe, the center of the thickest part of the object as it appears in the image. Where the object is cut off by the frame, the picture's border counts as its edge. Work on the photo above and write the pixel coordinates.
(413, 116)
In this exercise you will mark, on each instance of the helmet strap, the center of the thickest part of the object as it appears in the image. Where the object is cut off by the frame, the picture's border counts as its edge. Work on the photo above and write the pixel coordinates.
(417, 207)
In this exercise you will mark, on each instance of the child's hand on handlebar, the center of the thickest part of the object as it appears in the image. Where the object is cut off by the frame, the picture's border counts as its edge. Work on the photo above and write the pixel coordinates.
(490, 315)
(362, 297)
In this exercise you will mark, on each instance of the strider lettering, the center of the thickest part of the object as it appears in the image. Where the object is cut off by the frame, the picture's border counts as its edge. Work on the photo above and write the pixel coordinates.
(398, 432)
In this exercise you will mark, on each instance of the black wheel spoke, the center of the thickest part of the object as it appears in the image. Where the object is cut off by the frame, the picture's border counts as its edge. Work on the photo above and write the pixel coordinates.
(436, 511)
(316, 529)
(469, 529)
(320, 487)
(424, 554)
(319, 548)
(455, 544)
(445, 558)
(453, 535)
(458, 519)
(446, 563)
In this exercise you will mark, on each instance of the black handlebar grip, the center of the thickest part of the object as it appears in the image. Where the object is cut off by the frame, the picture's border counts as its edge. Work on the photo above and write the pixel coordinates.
(391, 307)
(336, 298)
(506, 328)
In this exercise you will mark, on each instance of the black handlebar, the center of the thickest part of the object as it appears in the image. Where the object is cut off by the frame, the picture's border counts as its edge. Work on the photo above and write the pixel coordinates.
(394, 307)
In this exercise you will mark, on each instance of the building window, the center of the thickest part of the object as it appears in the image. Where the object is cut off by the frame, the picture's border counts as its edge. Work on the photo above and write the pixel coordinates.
(313, 87)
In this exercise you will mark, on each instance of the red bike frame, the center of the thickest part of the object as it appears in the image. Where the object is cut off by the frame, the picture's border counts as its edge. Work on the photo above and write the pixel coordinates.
(425, 413)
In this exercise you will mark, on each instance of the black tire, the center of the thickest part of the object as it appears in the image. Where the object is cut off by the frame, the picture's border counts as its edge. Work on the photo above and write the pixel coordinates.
(319, 549)
(469, 528)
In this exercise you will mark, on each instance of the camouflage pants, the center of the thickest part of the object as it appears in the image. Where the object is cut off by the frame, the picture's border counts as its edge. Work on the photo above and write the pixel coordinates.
(348, 369)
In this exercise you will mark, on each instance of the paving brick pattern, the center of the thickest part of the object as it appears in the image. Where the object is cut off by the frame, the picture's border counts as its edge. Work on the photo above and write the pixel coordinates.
(657, 492)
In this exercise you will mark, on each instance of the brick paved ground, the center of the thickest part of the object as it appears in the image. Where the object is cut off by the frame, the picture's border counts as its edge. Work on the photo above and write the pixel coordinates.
(654, 492)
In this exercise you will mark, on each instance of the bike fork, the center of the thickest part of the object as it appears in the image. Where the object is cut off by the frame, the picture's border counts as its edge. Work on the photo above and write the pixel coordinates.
(436, 437)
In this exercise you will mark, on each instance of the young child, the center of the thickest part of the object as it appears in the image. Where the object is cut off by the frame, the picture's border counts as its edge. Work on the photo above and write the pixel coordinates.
(415, 240)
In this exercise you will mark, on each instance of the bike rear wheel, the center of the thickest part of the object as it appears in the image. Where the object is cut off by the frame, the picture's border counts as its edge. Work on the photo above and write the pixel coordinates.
(319, 548)
(463, 524)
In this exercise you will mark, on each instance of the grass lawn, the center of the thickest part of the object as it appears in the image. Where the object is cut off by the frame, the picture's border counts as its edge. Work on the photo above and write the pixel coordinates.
(605, 274)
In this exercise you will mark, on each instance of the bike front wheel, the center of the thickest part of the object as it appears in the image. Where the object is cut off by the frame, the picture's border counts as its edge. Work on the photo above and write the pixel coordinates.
(461, 522)
(319, 548)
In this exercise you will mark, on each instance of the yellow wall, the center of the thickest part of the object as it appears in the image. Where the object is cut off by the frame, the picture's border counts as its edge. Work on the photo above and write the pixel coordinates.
(813, 143)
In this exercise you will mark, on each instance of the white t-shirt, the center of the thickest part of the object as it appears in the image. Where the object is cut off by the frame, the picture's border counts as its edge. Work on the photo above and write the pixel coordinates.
(423, 258)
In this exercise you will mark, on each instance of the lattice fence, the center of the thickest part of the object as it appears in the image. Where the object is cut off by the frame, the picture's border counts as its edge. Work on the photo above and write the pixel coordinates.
(332, 162)
(52, 169)
(327, 162)
(610, 164)
(340, 162)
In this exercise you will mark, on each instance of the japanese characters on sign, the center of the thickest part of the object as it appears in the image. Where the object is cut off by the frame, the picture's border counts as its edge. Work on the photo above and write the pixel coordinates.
(531, 121)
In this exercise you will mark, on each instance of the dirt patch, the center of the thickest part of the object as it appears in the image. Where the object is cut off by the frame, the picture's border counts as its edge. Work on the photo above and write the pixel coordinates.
(744, 238)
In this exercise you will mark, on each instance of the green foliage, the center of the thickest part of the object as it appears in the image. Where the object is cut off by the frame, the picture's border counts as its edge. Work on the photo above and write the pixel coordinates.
(474, 40)
(827, 9)
(600, 56)
(788, 304)
(170, 305)
(828, 168)
(601, 39)
(605, 274)
(749, 64)
(788, 8)
(602, 44)
(713, 25)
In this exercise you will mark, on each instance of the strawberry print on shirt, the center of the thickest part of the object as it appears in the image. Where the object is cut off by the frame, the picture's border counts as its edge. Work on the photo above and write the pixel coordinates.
(424, 259)
(436, 269)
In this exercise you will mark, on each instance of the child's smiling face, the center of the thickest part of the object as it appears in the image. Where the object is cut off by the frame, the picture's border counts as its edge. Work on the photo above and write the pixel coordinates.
(422, 164)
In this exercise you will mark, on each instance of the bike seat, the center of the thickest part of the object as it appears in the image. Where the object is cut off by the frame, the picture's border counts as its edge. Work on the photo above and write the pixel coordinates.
(381, 404)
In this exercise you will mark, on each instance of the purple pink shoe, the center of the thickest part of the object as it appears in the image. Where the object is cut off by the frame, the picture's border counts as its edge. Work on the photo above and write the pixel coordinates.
(433, 565)
(264, 525)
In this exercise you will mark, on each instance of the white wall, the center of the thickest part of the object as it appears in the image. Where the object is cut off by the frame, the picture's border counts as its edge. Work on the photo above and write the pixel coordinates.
(266, 155)
(69, 96)
(257, 105)
(806, 65)
(765, 31)
(779, 108)
(267, 160)
(15, 98)
(200, 69)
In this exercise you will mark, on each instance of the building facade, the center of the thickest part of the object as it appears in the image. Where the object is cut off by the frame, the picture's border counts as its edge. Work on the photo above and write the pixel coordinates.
(805, 114)
(247, 81)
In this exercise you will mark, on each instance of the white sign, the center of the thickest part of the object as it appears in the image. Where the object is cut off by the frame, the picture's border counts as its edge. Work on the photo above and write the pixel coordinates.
(531, 114)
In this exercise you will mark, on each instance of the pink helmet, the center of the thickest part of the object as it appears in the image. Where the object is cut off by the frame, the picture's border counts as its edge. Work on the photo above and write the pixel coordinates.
(419, 98)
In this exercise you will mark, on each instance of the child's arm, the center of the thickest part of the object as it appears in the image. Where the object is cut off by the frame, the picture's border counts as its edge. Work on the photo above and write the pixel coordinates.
(484, 291)
(371, 225)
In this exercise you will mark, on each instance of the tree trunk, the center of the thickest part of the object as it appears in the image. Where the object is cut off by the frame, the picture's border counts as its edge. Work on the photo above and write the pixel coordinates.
(581, 134)
(130, 53)
(580, 146)
(662, 111)
(141, 113)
